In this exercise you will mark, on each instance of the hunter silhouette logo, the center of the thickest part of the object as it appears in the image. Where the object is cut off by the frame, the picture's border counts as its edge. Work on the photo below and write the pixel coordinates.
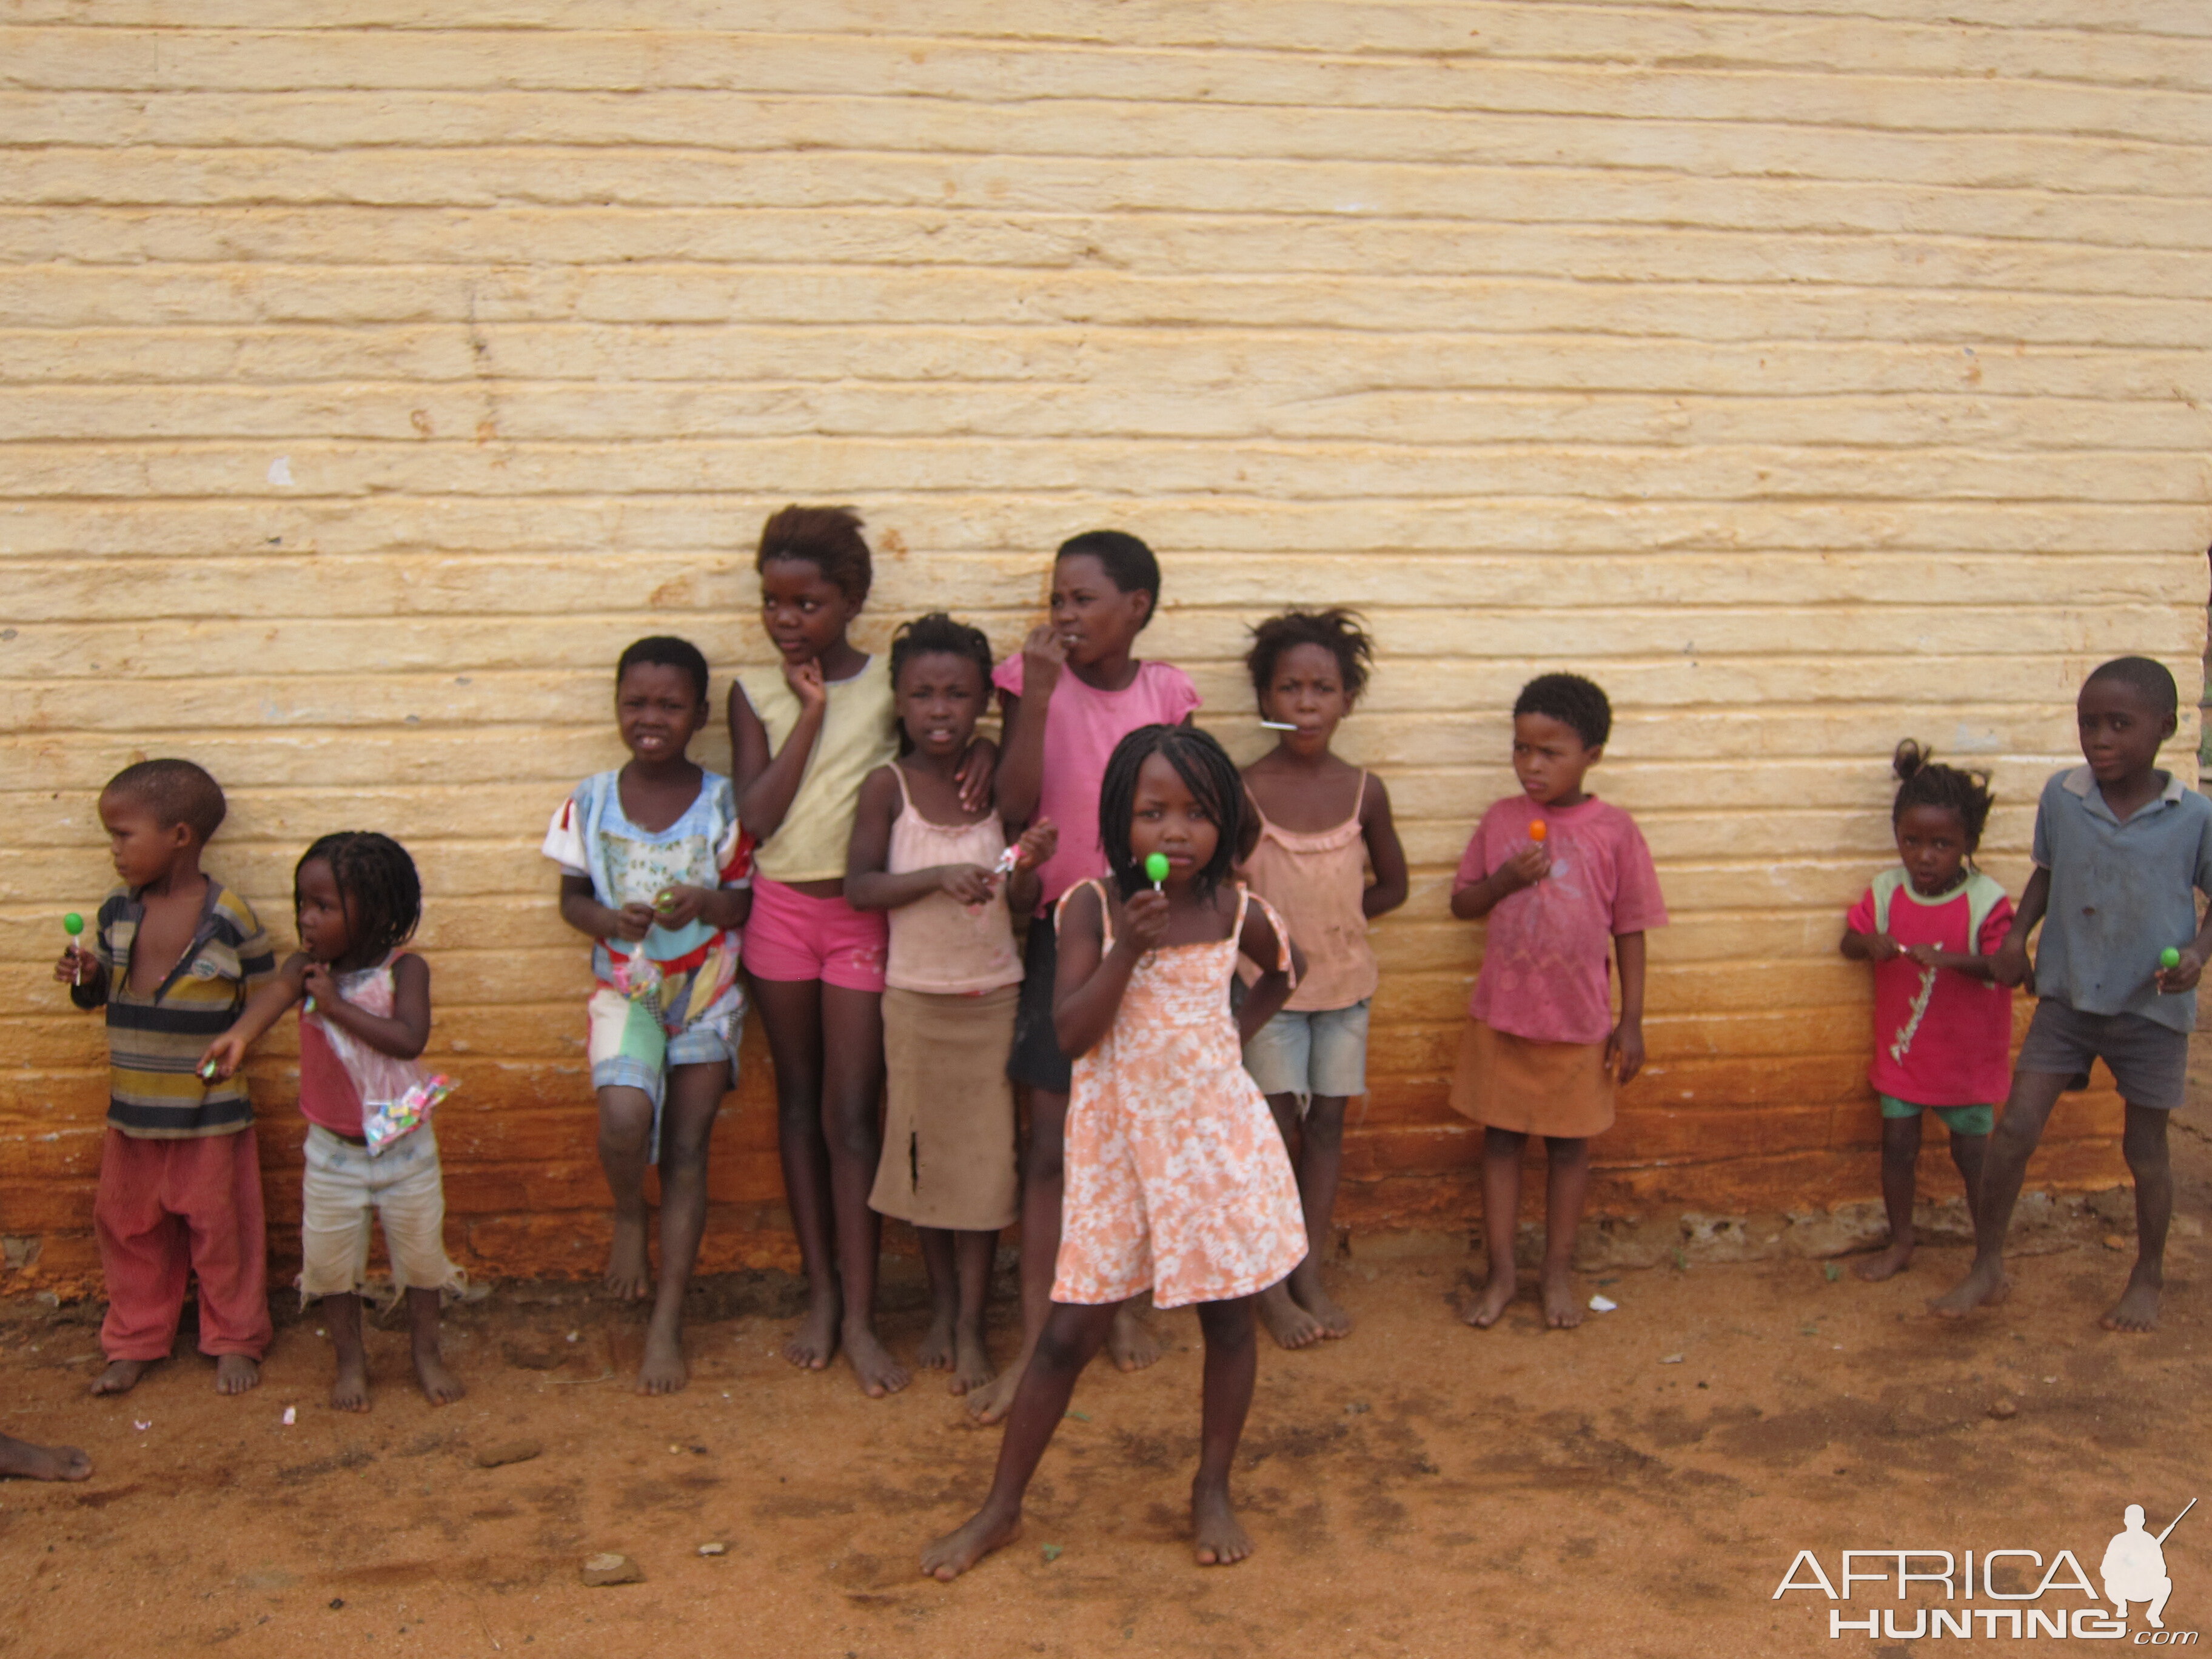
(2022, 1594)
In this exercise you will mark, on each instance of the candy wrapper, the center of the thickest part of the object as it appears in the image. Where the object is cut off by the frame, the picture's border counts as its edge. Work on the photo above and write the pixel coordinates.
(638, 977)
(1007, 861)
(387, 1121)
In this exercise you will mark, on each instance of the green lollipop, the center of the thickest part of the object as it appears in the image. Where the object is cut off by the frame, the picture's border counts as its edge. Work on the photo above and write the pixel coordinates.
(1156, 869)
(72, 924)
(2169, 957)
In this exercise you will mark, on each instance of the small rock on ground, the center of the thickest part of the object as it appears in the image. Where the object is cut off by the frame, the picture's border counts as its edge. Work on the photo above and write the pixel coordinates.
(508, 1451)
(608, 1568)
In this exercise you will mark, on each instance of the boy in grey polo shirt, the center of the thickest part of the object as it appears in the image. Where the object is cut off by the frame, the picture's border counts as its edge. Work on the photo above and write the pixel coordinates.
(2121, 851)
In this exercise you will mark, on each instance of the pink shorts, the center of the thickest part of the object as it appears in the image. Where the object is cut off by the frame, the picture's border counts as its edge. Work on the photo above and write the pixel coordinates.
(793, 935)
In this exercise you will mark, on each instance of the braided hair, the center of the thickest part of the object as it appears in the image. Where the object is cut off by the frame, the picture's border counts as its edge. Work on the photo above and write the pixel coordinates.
(1213, 780)
(1921, 781)
(937, 634)
(1336, 630)
(376, 883)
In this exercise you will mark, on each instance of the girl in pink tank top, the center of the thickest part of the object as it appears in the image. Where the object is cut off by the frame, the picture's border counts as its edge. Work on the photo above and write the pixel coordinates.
(1323, 824)
(943, 874)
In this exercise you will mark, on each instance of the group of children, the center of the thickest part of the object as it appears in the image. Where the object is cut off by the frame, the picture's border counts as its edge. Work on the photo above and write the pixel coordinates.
(1183, 1016)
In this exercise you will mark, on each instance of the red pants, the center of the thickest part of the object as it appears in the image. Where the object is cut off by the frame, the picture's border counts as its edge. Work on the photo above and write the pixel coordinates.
(165, 1206)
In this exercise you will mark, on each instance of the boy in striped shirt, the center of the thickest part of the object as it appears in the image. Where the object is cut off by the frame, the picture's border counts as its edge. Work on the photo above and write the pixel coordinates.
(172, 960)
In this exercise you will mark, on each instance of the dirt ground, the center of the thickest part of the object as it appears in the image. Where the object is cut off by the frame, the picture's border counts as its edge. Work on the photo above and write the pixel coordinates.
(1638, 1486)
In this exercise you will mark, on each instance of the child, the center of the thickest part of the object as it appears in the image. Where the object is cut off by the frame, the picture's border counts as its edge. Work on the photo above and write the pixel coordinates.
(1177, 1177)
(653, 869)
(951, 983)
(21, 1460)
(1943, 1027)
(1068, 698)
(1322, 821)
(175, 954)
(805, 734)
(1541, 1048)
(2119, 845)
(358, 900)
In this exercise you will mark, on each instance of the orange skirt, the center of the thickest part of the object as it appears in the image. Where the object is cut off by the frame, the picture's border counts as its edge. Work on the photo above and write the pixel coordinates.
(1506, 1082)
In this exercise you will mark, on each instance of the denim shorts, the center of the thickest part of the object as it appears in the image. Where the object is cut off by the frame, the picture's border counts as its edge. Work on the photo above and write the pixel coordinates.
(1308, 1052)
(2148, 1060)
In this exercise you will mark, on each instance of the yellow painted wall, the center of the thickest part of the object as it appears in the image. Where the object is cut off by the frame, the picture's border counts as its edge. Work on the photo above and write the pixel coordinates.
(1811, 374)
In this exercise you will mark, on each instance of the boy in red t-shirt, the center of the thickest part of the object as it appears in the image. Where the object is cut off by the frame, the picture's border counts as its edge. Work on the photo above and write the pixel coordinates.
(1942, 1026)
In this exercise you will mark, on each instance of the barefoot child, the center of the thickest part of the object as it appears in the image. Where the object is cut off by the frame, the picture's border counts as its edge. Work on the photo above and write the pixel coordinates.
(1072, 694)
(1177, 1177)
(653, 868)
(2121, 848)
(1943, 1027)
(1542, 1049)
(1322, 824)
(358, 900)
(951, 980)
(22, 1461)
(806, 733)
(174, 954)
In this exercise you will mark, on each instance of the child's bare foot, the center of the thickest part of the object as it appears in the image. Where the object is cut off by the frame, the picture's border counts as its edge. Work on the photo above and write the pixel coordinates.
(1890, 1263)
(1563, 1308)
(936, 1343)
(28, 1462)
(1983, 1286)
(814, 1344)
(1131, 1341)
(872, 1364)
(995, 1399)
(121, 1375)
(2138, 1307)
(1222, 1542)
(971, 1363)
(663, 1369)
(1496, 1296)
(440, 1386)
(1334, 1322)
(350, 1388)
(1291, 1325)
(629, 1271)
(234, 1373)
(985, 1530)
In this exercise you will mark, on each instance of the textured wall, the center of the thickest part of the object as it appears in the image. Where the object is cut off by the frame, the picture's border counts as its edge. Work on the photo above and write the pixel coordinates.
(1811, 373)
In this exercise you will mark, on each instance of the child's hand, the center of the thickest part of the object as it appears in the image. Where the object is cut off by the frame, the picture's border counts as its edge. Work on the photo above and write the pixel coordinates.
(971, 883)
(635, 920)
(317, 983)
(805, 679)
(1038, 842)
(683, 905)
(1042, 658)
(1145, 919)
(977, 768)
(1526, 867)
(2183, 976)
(226, 1054)
(1928, 955)
(2010, 964)
(1623, 1050)
(78, 966)
(1880, 947)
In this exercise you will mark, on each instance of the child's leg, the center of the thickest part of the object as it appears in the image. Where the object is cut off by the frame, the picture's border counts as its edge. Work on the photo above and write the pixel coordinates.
(974, 1251)
(1044, 1180)
(218, 1189)
(1286, 1315)
(1501, 1215)
(1900, 1155)
(439, 1385)
(143, 1256)
(1073, 1335)
(341, 1314)
(852, 1095)
(1232, 1361)
(26, 1461)
(941, 1260)
(410, 1202)
(687, 1125)
(2143, 1140)
(625, 1150)
(2004, 1166)
(1566, 1184)
(791, 1014)
(1320, 1169)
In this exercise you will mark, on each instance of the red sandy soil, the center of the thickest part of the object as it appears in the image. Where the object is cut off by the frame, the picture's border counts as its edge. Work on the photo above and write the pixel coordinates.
(1420, 1488)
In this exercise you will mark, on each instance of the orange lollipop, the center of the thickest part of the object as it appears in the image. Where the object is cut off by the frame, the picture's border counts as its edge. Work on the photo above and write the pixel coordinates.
(1537, 831)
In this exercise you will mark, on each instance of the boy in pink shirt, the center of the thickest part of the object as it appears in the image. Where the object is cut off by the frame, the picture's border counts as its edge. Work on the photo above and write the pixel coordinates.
(1567, 883)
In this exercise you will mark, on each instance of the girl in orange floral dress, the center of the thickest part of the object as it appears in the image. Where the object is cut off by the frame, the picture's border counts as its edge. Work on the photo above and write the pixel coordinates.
(1177, 1181)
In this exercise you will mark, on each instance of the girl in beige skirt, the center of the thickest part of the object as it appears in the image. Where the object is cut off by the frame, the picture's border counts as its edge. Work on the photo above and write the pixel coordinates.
(951, 982)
